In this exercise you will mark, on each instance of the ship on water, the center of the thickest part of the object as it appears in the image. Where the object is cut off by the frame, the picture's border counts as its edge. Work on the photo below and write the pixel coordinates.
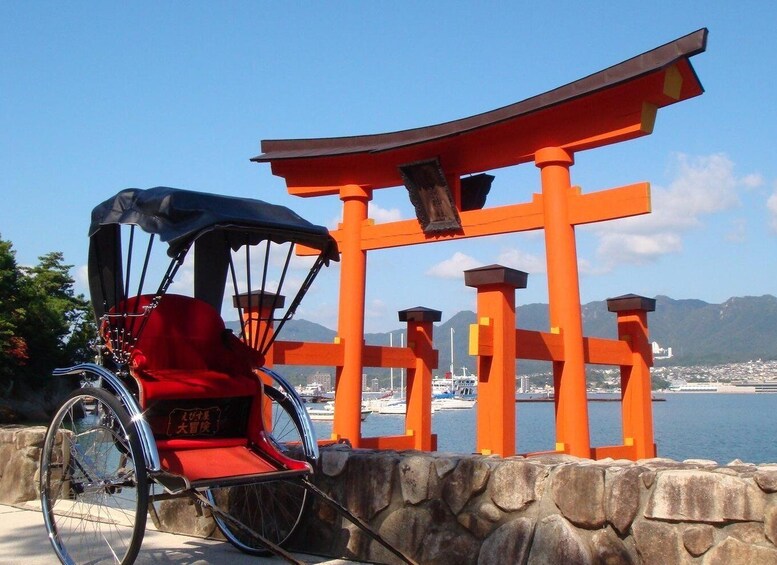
(741, 387)
(464, 385)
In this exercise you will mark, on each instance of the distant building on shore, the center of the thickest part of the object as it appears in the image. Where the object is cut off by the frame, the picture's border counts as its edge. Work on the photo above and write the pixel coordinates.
(660, 352)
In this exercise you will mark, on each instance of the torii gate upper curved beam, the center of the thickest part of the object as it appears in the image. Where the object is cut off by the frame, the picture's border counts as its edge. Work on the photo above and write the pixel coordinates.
(612, 105)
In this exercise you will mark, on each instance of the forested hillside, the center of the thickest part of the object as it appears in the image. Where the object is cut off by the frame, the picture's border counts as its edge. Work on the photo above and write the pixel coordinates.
(740, 329)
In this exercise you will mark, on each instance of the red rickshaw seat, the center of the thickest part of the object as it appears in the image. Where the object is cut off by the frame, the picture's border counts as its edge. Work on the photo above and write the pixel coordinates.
(184, 351)
(186, 362)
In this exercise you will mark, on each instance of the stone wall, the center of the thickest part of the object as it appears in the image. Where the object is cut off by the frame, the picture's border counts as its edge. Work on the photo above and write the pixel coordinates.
(20, 449)
(452, 508)
(444, 508)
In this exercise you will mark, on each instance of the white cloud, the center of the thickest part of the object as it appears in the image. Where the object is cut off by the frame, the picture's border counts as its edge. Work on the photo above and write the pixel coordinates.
(454, 267)
(184, 278)
(381, 215)
(752, 181)
(701, 186)
(377, 213)
(771, 206)
(517, 259)
(81, 280)
(638, 248)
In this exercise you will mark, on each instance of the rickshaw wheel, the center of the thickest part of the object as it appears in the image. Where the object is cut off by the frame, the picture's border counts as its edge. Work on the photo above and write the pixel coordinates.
(93, 481)
(273, 508)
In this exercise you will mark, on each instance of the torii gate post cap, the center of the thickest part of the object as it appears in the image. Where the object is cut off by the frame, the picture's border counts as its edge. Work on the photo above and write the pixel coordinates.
(631, 302)
(495, 274)
(246, 300)
(420, 314)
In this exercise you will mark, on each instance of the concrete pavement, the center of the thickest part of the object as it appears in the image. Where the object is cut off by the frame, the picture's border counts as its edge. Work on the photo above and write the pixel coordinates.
(23, 539)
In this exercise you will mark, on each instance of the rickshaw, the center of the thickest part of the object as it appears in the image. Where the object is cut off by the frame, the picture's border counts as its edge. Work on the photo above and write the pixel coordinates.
(177, 404)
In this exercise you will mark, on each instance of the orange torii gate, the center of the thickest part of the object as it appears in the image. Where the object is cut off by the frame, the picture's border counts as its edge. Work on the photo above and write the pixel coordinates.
(613, 105)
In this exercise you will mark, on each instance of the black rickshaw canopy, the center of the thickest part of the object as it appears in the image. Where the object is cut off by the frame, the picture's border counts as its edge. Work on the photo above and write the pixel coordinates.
(182, 217)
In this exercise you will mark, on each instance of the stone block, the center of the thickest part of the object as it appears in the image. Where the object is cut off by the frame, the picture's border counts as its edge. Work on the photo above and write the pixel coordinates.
(515, 484)
(648, 478)
(475, 523)
(30, 437)
(510, 543)
(445, 464)
(770, 523)
(334, 461)
(405, 529)
(623, 489)
(731, 551)
(608, 549)
(481, 521)
(703, 496)
(657, 542)
(369, 482)
(490, 512)
(766, 480)
(445, 546)
(701, 462)
(578, 491)
(698, 539)
(557, 541)
(414, 478)
(180, 516)
(17, 482)
(748, 532)
(468, 478)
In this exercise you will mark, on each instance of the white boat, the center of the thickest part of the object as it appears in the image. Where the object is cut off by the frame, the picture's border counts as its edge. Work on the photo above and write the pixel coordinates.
(462, 385)
(465, 385)
(452, 403)
(391, 406)
(327, 413)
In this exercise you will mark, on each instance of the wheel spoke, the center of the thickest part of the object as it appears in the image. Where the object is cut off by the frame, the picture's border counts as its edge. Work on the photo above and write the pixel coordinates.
(94, 495)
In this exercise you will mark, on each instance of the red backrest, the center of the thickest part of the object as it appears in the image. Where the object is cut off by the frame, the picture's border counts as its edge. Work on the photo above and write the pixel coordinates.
(181, 333)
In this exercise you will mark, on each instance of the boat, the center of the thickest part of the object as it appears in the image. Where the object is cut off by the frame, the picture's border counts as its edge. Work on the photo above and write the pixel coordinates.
(464, 385)
(452, 402)
(391, 406)
(327, 413)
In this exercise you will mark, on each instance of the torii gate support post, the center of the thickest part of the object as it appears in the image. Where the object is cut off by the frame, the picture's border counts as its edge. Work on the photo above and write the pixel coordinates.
(569, 384)
(353, 277)
(258, 309)
(636, 389)
(496, 287)
(420, 333)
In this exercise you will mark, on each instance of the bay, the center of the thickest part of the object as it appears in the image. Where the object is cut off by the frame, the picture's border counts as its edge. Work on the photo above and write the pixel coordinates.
(719, 427)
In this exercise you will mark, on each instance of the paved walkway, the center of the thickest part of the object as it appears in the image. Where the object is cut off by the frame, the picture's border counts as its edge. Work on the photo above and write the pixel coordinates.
(23, 539)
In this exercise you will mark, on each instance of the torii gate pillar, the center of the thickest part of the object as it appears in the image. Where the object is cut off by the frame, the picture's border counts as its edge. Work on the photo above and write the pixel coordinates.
(564, 297)
(353, 278)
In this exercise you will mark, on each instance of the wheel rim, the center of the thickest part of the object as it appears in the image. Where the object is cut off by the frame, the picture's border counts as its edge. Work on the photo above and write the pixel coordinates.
(93, 494)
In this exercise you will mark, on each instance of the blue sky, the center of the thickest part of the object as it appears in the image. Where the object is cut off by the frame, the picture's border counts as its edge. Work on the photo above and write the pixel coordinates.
(96, 97)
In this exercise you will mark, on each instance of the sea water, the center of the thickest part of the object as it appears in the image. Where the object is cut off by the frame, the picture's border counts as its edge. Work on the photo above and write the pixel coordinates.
(719, 427)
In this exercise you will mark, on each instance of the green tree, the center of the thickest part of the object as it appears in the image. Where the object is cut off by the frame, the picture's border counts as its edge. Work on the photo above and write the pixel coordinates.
(13, 348)
(43, 325)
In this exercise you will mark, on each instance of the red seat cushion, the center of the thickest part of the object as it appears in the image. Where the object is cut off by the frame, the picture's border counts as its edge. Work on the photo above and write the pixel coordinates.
(182, 352)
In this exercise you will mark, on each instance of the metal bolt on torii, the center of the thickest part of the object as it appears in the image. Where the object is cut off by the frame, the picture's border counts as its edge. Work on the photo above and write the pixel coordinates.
(435, 163)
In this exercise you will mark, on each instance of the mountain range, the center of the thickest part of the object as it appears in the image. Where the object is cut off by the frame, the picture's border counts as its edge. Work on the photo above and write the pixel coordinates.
(740, 329)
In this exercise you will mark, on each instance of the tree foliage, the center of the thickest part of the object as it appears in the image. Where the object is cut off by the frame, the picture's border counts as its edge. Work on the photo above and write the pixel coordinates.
(43, 323)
